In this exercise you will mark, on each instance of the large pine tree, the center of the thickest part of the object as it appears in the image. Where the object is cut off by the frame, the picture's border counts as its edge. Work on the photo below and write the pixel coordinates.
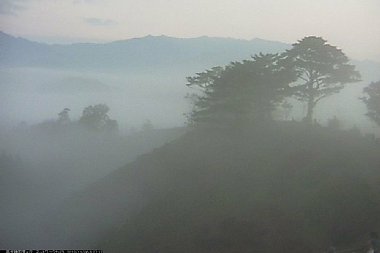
(321, 70)
(240, 93)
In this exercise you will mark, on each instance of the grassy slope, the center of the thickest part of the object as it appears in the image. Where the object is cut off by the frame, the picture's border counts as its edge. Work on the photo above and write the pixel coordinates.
(283, 189)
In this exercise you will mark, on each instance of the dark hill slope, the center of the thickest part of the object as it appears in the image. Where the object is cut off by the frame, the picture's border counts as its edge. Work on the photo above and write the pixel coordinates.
(287, 188)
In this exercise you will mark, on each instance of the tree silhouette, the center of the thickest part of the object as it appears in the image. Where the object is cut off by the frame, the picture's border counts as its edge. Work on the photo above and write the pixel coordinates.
(63, 117)
(147, 126)
(95, 117)
(321, 70)
(240, 93)
(372, 101)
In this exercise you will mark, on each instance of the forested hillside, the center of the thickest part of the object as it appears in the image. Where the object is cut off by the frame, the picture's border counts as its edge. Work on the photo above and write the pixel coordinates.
(241, 181)
(285, 188)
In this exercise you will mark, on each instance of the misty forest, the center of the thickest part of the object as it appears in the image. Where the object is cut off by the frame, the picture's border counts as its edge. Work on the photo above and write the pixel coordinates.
(160, 144)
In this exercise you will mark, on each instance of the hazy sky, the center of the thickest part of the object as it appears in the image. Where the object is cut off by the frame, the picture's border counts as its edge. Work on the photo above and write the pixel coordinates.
(353, 25)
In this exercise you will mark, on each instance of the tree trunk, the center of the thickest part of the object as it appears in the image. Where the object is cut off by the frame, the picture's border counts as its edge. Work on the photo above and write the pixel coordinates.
(310, 110)
(310, 106)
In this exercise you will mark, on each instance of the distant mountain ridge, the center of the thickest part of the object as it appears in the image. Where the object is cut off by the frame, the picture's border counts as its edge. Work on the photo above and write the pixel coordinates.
(132, 54)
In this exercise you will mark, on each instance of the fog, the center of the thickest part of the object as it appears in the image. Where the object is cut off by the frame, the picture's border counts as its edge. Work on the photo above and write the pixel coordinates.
(42, 166)
(121, 158)
(45, 164)
(33, 95)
